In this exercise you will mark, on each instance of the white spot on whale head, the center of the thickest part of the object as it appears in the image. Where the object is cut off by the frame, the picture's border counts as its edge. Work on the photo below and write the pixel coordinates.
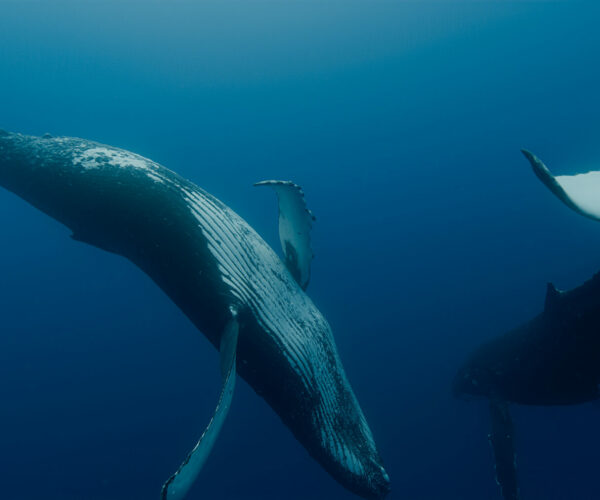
(102, 157)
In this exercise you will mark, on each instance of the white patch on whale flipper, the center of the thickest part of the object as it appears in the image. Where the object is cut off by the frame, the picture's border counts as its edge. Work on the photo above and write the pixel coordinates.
(295, 223)
(584, 190)
(580, 192)
(177, 486)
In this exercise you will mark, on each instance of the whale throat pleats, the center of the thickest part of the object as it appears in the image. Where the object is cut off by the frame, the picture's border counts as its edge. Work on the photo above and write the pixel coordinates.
(580, 192)
(295, 224)
(178, 485)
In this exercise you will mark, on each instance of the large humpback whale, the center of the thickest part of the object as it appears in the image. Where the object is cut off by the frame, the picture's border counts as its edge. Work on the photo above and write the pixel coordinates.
(554, 359)
(234, 288)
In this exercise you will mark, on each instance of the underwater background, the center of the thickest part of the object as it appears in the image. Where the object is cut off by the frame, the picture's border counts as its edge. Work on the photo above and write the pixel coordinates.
(403, 122)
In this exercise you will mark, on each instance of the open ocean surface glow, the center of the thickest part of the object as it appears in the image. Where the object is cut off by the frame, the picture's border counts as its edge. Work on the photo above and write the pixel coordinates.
(403, 122)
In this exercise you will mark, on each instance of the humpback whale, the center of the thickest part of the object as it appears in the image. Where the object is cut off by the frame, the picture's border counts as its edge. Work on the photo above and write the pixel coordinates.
(250, 304)
(553, 359)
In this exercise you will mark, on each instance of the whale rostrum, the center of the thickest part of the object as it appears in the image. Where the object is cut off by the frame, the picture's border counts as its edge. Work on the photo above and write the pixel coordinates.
(223, 276)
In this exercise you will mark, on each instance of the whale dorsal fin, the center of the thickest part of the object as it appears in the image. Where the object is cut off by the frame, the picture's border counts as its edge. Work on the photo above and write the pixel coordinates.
(177, 486)
(580, 192)
(552, 297)
(295, 223)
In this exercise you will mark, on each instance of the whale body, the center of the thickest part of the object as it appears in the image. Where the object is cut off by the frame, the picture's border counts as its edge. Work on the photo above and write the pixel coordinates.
(224, 278)
(553, 359)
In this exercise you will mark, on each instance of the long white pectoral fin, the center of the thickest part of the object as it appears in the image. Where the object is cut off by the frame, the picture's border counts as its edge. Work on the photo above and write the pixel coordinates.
(179, 483)
(295, 223)
(581, 192)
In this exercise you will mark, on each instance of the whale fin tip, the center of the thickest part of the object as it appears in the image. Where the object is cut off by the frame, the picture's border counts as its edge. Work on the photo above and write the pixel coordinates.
(528, 154)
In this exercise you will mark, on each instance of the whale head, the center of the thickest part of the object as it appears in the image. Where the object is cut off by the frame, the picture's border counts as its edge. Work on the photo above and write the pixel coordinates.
(490, 370)
(313, 396)
(474, 380)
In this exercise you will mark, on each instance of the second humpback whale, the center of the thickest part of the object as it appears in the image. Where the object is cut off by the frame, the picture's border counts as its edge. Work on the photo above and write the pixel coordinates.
(223, 276)
(554, 359)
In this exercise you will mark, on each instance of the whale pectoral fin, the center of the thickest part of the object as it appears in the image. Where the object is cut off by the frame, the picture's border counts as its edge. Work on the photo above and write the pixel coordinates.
(502, 441)
(580, 192)
(177, 486)
(295, 223)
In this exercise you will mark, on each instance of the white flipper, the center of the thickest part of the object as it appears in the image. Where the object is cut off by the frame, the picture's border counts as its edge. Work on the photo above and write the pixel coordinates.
(579, 192)
(177, 486)
(295, 223)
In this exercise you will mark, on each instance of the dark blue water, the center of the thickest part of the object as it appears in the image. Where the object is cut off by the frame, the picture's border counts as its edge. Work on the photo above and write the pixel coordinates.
(403, 123)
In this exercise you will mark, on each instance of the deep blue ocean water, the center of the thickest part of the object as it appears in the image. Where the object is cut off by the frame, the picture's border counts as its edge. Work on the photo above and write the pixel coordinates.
(403, 123)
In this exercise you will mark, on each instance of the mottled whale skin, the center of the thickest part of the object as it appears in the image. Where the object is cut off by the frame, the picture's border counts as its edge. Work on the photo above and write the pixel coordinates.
(208, 260)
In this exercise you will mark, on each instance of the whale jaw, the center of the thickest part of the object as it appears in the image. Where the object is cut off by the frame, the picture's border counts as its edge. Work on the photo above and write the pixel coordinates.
(349, 442)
